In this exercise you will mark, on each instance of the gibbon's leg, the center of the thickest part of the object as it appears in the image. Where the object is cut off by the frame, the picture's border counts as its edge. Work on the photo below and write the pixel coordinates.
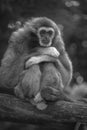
(29, 87)
(64, 65)
(51, 83)
(29, 82)
(51, 76)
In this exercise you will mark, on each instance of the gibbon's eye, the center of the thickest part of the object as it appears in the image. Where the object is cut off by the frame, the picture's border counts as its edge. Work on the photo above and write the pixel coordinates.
(42, 32)
(50, 32)
(46, 31)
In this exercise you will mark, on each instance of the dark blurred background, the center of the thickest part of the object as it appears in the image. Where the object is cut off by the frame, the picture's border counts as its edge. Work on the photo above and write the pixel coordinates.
(71, 15)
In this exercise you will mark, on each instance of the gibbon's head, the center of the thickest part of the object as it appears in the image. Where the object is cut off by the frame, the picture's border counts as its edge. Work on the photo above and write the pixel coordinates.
(36, 32)
(45, 29)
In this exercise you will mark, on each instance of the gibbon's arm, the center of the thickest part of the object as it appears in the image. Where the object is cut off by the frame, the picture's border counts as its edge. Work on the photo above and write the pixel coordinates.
(49, 54)
(64, 65)
(11, 66)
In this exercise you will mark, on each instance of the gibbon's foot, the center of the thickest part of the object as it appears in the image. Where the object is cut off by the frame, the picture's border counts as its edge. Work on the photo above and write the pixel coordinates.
(50, 94)
(36, 101)
(18, 92)
(39, 102)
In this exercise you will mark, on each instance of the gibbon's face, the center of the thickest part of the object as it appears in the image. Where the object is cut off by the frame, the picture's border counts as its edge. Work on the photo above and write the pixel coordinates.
(43, 32)
(45, 35)
(46, 30)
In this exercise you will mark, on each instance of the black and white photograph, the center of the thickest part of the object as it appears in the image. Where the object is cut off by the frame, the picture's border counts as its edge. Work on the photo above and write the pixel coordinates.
(43, 64)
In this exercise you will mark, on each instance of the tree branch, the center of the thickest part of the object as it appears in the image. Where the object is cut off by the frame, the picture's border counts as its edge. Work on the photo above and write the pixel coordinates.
(14, 109)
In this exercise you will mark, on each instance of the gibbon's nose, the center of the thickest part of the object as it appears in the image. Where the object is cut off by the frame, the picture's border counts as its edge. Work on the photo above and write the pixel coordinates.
(45, 40)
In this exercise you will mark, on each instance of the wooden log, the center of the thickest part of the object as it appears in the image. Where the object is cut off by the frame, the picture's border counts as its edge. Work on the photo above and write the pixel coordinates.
(14, 109)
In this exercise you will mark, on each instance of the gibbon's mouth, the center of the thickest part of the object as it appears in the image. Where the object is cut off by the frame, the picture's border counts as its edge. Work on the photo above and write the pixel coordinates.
(45, 41)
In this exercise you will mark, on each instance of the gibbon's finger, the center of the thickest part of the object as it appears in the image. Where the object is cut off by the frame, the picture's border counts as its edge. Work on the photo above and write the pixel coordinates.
(51, 51)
